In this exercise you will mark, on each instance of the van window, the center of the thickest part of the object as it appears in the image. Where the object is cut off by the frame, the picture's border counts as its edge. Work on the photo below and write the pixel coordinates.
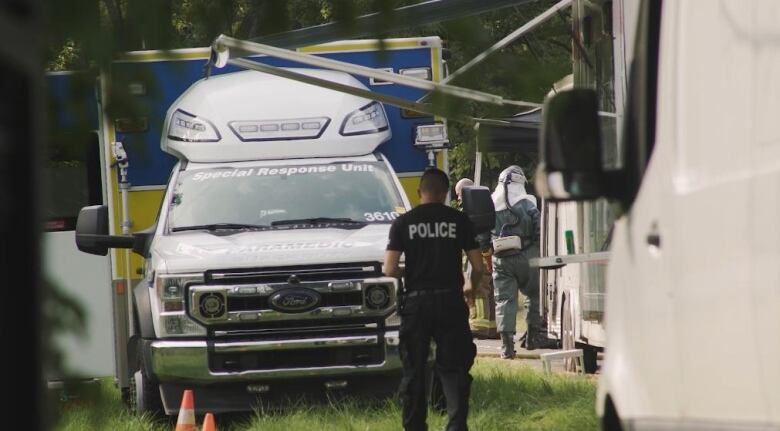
(262, 194)
(639, 135)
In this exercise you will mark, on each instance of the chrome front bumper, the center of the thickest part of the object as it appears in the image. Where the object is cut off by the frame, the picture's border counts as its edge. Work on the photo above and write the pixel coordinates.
(188, 361)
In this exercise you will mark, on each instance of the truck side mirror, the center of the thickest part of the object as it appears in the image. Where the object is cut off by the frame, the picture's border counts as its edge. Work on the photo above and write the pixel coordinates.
(570, 166)
(92, 232)
(478, 205)
(142, 240)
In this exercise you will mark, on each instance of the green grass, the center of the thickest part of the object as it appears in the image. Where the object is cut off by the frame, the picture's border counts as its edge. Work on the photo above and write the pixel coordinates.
(504, 397)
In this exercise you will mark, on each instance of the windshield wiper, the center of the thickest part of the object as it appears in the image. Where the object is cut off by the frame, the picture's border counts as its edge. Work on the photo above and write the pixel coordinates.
(318, 221)
(220, 226)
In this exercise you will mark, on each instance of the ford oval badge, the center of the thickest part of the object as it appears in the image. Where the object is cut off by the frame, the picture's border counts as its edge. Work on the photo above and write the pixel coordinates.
(294, 300)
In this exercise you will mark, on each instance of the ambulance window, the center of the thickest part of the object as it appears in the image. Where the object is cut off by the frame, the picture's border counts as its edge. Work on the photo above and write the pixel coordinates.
(71, 178)
(263, 194)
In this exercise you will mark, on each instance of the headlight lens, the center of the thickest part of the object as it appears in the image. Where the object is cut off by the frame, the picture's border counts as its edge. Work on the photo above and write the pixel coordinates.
(393, 320)
(179, 325)
(190, 128)
(172, 286)
(368, 119)
(170, 290)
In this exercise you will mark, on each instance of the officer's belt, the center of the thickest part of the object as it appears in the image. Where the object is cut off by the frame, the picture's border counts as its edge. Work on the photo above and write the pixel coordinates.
(427, 292)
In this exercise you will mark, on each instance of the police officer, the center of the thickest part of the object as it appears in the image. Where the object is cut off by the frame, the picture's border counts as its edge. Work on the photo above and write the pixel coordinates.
(518, 216)
(433, 236)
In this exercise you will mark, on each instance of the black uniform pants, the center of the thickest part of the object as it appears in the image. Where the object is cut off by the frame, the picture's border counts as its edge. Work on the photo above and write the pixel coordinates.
(443, 318)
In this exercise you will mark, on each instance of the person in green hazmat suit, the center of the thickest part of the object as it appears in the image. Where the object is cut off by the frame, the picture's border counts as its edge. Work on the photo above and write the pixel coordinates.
(514, 240)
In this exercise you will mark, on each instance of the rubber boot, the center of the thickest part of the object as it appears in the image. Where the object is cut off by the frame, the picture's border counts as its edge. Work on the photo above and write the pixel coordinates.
(537, 339)
(508, 345)
(521, 341)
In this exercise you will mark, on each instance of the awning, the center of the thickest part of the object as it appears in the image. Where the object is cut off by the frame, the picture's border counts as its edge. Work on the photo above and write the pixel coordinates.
(519, 133)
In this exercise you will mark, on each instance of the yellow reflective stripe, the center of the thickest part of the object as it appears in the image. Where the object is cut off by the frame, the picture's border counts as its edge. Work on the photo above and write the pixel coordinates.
(436, 74)
(481, 307)
(144, 205)
(360, 46)
(410, 185)
(482, 323)
(204, 52)
(435, 64)
(200, 53)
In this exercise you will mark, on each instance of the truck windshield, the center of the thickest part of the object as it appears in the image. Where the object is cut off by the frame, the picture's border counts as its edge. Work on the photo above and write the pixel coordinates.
(261, 195)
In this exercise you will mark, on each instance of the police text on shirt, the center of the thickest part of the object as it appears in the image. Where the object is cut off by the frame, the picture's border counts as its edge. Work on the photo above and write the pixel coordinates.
(433, 230)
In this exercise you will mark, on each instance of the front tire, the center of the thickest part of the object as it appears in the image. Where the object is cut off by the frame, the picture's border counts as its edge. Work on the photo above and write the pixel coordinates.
(144, 394)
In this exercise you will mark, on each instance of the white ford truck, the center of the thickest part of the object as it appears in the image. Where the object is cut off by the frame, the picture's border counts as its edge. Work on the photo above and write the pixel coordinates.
(263, 270)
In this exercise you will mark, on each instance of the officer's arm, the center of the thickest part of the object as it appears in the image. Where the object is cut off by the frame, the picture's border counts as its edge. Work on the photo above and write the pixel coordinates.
(477, 268)
(391, 268)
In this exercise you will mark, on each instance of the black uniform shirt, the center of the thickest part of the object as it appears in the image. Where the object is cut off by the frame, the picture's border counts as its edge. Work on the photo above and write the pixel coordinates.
(432, 236)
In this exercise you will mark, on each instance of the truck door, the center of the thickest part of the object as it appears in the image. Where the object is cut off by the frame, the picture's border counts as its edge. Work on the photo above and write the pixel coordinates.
(72, 180)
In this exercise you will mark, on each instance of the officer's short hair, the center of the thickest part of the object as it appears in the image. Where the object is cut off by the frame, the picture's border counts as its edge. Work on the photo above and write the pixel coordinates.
(434, 181)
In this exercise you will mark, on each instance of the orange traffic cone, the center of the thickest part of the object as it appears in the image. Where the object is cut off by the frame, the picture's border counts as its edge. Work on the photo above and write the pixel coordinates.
(208, 423)
(186, 421)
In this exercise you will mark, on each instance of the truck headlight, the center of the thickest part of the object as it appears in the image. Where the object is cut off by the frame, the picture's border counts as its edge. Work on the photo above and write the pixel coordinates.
(190, 128)
(393, 321)
(179, 325)
(170, 291)
(368, 119)
(377, 296)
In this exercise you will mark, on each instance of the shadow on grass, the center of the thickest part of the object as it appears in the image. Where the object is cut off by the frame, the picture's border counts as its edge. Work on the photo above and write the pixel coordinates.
(503, 397)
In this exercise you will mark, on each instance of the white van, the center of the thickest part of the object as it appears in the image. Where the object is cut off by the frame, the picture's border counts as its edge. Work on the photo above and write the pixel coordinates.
(263, 270)
(693, 299)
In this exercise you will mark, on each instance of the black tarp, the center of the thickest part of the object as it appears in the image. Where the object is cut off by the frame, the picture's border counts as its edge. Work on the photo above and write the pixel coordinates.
(521, 136)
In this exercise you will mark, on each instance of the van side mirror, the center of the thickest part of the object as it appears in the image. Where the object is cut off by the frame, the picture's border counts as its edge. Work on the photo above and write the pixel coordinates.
(478, 205)
(570, 166)
(92, 232)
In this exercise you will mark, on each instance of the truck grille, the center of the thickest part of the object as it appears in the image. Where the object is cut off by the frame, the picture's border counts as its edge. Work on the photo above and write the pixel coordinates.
(329, 299)
(309, 273)
(296, 329)
(259, 296)
(301, 358)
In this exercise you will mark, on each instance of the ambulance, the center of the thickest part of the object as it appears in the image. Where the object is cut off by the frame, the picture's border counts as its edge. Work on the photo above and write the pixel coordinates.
(242, 222)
